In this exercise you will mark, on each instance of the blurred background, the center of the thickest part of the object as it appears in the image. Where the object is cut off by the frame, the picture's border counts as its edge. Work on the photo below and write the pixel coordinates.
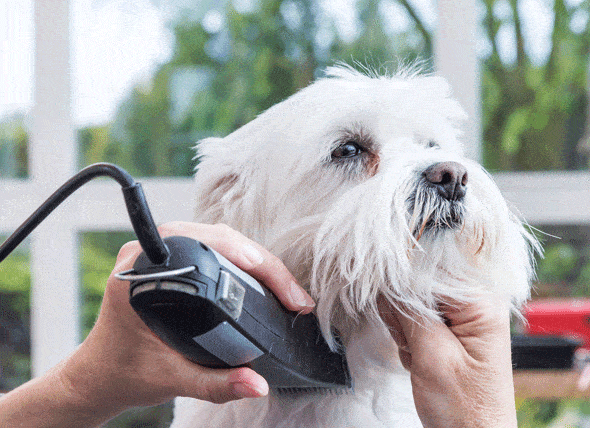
(148, 78)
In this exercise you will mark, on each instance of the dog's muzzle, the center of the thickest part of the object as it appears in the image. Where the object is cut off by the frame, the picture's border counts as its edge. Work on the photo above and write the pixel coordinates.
(437, 202)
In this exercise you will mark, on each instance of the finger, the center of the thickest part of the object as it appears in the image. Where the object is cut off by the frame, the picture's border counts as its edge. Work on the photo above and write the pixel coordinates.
(127, 255)
(484, 320)
(250, 257)
(406, 359)
(273, 273)
(417, 335)
(389, 315)
(222, 385)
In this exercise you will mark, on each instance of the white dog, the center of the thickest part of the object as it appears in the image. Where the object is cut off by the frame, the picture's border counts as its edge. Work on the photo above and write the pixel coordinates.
(358, 184)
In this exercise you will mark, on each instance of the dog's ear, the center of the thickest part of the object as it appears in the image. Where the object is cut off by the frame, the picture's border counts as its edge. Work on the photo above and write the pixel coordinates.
(216, 180)
(220, 181)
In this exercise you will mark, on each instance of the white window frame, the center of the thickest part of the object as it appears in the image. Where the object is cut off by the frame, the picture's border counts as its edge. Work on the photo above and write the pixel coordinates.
(542, 198)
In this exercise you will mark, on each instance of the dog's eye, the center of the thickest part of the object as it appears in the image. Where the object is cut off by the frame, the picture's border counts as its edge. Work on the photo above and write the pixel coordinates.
(349, 149)
(431, 144)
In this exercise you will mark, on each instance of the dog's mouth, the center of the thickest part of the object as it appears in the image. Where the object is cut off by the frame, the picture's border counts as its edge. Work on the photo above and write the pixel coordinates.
(430, 213)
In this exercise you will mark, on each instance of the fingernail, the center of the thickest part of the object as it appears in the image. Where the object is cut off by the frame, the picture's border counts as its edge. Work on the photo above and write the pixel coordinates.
(252, 255)
(300, 297)
(247, 391)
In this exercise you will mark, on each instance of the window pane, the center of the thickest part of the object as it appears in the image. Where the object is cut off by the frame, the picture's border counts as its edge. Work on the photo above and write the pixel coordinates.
(98, 254)
(16, 84)
(151, 81)
(15, 286)
(564, 271)
(534, 77)
(16, 94)
(117, 46)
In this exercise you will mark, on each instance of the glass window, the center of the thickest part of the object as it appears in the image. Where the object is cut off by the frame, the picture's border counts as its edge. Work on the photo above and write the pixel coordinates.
(15, 285)
(16, 89)
(564, 270)
(534, 76)
(117, 46)
(181, 71)
(16, 94)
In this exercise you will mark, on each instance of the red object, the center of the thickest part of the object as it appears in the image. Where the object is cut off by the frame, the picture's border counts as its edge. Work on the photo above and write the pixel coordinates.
(559, 317)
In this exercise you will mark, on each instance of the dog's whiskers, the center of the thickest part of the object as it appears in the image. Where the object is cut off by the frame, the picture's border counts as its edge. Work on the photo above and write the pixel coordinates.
(428, 212)
(483, 240)
(425, 222)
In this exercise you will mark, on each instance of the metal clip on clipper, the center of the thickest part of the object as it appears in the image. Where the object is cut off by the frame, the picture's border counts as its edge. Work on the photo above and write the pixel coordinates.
(206, 308)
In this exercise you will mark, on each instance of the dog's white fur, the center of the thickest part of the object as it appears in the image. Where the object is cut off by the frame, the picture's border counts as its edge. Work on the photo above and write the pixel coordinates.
(353, 229)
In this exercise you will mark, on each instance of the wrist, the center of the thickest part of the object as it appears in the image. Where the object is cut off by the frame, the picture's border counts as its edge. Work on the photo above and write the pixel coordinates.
(78, 389)
(86, 386)
(50, 401)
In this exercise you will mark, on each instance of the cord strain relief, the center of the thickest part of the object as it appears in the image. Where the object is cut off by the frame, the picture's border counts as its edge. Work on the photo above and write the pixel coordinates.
(144, 226)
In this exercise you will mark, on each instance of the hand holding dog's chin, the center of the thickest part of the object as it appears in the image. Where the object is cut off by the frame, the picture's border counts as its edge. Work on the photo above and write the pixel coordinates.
(122, 364)
(461, 371)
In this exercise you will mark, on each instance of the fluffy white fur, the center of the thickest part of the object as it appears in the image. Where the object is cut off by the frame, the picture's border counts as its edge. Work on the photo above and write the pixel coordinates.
(351, 230)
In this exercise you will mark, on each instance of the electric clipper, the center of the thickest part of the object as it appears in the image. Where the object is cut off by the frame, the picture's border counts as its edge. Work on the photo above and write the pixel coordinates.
(218, 316)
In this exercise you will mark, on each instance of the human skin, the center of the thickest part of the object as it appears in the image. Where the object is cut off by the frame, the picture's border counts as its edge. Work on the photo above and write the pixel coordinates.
(461, 369)
(122, 364)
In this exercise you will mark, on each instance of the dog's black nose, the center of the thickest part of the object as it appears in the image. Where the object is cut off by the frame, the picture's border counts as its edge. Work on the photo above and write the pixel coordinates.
(449, 178)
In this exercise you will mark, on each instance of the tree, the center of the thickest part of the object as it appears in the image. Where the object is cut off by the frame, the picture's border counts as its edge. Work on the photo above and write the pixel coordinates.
(220, 78)
(534, 114)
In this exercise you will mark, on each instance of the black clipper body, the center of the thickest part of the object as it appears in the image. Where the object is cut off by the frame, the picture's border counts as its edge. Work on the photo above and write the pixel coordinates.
(218, 316)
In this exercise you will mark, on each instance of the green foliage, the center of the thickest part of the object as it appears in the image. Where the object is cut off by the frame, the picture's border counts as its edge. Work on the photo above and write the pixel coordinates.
(150, 417)
(534, 114)
(582, 282)
(98, 254)
(537, 413)
(564, 271)
(560, 261)
(15, 284)
(217, 81)
(13, 147)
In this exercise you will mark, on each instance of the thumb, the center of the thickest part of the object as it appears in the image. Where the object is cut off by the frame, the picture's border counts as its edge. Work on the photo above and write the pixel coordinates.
(414, 334)
(222, 385)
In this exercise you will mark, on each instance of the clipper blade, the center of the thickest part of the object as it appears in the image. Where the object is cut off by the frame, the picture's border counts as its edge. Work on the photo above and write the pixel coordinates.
(315, 390)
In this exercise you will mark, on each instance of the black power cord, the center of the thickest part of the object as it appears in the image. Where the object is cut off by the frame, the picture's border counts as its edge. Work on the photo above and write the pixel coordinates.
(137, 207)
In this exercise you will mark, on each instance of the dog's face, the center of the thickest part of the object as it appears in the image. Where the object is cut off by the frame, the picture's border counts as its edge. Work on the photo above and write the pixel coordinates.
(358, 184)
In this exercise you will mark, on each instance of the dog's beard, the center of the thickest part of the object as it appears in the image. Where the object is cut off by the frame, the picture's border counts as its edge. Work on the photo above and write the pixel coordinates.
(430, 213)
(416, 249)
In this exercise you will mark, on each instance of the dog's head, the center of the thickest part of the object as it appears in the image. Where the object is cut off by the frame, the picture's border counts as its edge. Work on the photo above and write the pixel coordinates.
(359, 185)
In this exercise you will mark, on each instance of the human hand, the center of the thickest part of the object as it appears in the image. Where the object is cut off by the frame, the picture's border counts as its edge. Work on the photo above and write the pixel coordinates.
(123, 364)
(461, 370)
